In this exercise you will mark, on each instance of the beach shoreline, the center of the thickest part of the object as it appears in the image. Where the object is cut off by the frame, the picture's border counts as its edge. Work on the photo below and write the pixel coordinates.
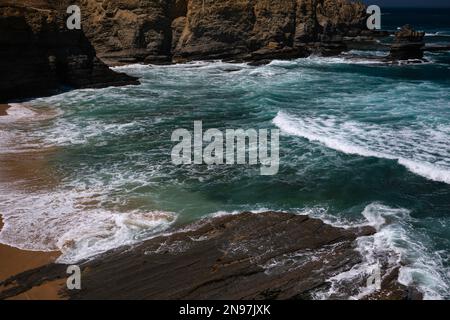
(14, 261)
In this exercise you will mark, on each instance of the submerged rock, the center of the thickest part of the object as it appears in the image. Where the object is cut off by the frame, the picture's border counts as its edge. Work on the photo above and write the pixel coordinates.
(268, 255)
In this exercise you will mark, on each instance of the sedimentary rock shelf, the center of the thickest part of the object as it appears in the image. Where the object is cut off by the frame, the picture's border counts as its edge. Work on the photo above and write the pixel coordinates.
(269, 255)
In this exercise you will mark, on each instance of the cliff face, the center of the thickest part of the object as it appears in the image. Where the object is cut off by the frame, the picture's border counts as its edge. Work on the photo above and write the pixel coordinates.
(408, 44)
(129, 30)
(158, 31)
(39, 54)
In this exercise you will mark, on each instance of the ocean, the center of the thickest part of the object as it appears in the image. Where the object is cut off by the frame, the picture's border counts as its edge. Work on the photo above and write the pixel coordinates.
(361, 143)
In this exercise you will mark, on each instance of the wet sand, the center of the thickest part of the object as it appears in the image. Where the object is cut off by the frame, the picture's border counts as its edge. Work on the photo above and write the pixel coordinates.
(27, 170)
(3, 108)
(14, 261)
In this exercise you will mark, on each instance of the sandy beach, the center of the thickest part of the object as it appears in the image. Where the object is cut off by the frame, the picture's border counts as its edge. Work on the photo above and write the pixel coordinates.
(29, 170)
(14, 261)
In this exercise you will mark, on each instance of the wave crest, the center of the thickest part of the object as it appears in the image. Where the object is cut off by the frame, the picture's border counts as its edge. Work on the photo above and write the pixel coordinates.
(422, 152)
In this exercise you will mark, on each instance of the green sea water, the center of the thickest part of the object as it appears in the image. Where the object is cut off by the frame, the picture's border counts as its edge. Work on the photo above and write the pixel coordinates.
(361, 143)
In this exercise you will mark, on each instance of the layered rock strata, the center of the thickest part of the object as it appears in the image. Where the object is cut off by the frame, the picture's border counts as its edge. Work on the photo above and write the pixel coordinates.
(408, 44)
(268, 255)
(154, 31)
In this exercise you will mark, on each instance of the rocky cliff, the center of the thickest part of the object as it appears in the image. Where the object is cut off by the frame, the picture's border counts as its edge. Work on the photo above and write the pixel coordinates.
(39, 54)
(247, 256)
(155, 31)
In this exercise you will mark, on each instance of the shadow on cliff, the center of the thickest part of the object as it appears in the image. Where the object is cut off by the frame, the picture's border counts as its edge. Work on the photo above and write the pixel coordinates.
(39, 57)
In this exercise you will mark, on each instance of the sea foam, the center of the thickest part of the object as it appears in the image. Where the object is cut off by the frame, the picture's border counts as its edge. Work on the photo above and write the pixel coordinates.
(410, 149)
(395, 245)
(73, 222)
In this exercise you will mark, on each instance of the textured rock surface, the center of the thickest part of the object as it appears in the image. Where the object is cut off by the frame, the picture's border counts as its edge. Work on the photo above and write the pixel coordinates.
(156, 31)
(408, 44)
(39, 55)
(247, 256)
(129, 30)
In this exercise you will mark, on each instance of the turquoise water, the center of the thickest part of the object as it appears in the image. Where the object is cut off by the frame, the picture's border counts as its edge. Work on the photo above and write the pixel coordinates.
(361, 143)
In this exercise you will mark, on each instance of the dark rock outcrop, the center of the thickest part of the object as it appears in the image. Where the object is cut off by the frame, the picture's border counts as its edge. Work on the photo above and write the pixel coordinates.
(39, 54)
(408, 44)
(247, 256)
(154, 31)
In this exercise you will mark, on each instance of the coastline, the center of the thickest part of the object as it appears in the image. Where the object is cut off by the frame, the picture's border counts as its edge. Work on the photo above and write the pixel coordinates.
(14, 261)
(212, 251)
(20, 166)
(221, 256)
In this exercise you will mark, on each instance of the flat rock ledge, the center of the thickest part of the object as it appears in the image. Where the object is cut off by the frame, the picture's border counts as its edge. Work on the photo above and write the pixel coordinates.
(268, 255)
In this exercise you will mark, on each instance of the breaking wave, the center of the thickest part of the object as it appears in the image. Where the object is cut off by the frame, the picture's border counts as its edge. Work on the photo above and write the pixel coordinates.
(423, 152)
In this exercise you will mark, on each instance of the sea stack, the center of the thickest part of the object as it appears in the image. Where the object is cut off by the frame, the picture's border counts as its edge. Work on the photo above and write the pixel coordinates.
(408, 44)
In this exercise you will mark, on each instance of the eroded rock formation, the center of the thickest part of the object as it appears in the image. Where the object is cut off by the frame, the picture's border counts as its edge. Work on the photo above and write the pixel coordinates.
(155, 31)
(408, 44)
(39, 54)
